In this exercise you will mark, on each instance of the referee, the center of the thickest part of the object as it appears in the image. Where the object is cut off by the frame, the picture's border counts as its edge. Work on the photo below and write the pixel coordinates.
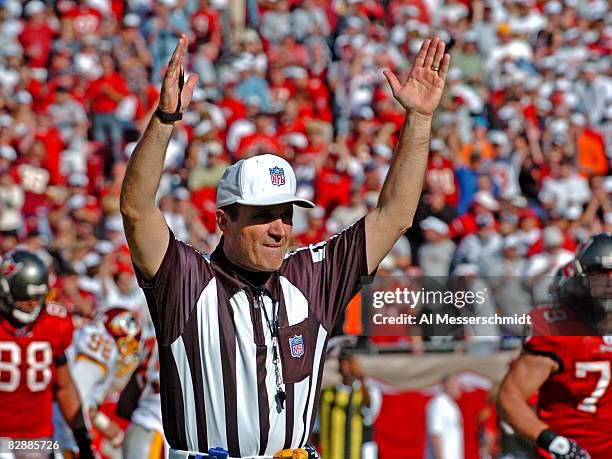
(242, 333)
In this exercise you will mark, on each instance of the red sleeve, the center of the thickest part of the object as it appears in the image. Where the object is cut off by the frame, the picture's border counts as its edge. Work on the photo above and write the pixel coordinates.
(120, 85)
(547, 346)
(62, 323)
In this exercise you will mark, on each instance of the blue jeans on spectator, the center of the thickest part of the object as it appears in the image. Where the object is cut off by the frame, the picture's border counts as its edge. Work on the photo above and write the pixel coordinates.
(107, 127)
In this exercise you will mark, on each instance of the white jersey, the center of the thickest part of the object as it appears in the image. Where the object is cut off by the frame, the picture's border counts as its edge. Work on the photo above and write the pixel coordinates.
(148, 412)
(93, 344)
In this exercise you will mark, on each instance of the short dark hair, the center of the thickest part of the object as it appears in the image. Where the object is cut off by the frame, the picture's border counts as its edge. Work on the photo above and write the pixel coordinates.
(232, 210)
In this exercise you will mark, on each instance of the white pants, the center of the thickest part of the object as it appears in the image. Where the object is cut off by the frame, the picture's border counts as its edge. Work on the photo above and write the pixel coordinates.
(142, 443)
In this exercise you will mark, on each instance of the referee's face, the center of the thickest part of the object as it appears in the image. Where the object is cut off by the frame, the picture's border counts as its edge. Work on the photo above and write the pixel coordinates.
(257, 238)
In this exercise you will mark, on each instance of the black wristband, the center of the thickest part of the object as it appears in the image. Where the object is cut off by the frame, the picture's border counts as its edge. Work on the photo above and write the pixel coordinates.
(167, 118)
(81, 437)
(545, 438)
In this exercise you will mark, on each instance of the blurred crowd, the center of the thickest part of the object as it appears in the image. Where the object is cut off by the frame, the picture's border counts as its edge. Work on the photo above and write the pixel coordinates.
(519, 170)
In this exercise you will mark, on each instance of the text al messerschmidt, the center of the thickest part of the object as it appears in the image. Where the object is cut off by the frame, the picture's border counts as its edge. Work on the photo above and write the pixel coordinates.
(449, 319)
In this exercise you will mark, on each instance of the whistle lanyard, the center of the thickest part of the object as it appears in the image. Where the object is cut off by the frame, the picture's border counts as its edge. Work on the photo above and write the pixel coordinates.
(280, 396)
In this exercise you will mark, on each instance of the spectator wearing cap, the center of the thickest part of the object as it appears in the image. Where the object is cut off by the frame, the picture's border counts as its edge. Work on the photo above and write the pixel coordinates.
(70, 118)
(129, 45)
(308, 20)
(524, 18)
(250, 85)
(480, 143)
(469, 60)
(276, 23)
(467, 178)
(436, 254)
(104, 95)
(36, 37)
(24, 118)
(510, 48)
(32, 175)
(440, 176)
(504, 272)
(252, 48)
(505, 167)
(564, 188)
(162, 34)
(542, 266)
(206, 25)
(484, 243)
(82, 18)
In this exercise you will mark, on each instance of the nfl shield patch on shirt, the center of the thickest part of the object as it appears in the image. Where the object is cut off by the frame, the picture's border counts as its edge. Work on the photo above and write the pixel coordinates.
(296, 344)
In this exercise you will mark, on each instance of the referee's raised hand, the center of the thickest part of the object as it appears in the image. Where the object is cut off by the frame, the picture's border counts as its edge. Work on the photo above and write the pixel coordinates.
(423, 89)
(171, 88)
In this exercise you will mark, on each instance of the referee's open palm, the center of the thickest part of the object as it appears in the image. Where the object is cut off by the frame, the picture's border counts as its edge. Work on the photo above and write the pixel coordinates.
(423, 90)
(170, 92)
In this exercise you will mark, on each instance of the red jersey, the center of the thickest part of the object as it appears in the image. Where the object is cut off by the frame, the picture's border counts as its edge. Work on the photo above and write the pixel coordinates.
(576, 401)
(85, 20)
(440, 177)
(28, 359)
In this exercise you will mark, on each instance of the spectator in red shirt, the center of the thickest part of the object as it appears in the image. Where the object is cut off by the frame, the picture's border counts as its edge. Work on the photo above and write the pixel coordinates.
(263, 140)
(83, 19)
(206, 25)
(104, 95)
(36, 36)
(440, 176)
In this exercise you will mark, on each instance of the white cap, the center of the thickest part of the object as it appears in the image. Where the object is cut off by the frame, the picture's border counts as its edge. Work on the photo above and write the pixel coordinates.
(486, 199)
(512, 241)
(23, 97)
(434, 224)
(553, 237)
(131, 20)
(262, 180)
(34, 7)
(465, 269)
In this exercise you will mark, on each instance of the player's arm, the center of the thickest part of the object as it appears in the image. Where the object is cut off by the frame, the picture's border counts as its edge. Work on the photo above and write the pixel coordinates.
(436, 446)
(145, 226)
(69, 402)
(522, 381)
(400, 194)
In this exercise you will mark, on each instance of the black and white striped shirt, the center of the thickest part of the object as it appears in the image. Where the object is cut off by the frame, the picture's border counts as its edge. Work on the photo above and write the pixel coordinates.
(217, 377)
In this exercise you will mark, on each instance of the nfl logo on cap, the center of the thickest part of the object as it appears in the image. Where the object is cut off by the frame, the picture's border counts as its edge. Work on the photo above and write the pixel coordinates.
(296, 344)
(277, 174)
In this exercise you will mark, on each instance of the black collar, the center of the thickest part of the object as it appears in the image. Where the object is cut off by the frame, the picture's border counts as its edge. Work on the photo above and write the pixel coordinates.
(243, 278)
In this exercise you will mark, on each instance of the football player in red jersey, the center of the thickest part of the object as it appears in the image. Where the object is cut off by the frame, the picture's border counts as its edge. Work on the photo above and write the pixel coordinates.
(33, 370)
(570, 373)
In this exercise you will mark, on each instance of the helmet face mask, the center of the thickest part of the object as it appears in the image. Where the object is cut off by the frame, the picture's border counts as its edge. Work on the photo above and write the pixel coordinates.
(23, 286)
(588, 289)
